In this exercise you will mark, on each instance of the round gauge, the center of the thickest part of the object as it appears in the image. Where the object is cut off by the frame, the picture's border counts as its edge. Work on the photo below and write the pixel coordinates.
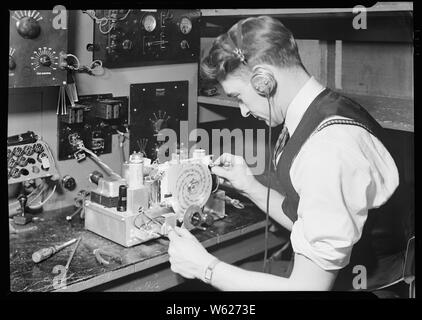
(149, 23)
(185, 25)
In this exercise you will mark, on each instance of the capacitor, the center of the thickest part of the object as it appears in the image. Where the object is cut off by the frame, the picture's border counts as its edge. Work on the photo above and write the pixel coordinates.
(198, 153)
(122, 200)
(133, 171)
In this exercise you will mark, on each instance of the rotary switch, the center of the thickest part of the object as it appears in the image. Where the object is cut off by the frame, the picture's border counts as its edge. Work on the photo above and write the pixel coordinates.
(184, 44)
(127, 44)
(45, 60)
(28, 28)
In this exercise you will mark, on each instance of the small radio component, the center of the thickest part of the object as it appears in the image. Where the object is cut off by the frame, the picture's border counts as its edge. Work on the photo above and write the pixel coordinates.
(28, 157)
(151, 197)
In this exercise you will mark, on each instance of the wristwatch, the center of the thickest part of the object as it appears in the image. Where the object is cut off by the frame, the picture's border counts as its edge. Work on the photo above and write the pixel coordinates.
(209, 270)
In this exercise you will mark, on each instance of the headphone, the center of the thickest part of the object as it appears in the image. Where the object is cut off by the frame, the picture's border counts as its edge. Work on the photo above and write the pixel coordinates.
(263, 81)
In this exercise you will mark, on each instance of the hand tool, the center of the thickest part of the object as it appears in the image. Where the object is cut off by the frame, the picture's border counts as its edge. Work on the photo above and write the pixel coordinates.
(72, 254)
(45, 253)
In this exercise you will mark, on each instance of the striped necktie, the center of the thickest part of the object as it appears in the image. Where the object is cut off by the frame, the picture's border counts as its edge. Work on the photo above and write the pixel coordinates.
(281, 142)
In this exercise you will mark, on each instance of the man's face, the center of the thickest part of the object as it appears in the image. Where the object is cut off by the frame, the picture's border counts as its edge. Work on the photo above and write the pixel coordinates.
(250, 102)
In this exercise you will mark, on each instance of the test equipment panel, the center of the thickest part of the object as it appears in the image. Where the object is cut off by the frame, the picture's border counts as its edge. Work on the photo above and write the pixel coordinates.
(136, 37)
(37, 47)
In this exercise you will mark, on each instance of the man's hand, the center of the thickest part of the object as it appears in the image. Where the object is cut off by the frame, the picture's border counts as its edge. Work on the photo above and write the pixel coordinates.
(236, 173)
(187, 255)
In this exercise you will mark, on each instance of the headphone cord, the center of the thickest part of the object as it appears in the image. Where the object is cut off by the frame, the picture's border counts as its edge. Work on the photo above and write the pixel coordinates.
(264, 267)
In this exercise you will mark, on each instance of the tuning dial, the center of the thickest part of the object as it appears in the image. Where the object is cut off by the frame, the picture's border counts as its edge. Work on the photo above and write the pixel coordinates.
(12, 63)
(45, 60)
(127, 44)
(28, 28)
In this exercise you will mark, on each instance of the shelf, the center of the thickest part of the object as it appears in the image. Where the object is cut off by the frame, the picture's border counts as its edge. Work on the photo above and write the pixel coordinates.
(378, 7)
(219, 100)
(391, 113)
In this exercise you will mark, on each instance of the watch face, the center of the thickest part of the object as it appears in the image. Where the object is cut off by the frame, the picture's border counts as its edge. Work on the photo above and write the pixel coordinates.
(208, 274)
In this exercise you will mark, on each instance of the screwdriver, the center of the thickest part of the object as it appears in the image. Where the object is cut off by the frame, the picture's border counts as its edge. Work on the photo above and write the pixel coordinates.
(45, 253)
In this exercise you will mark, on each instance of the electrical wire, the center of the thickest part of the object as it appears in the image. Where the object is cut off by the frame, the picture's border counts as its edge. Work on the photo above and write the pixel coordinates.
(29, 195)
(106, 168)
(104, 20)
(39, 193)
(270, 104)
(39, 205)
(76, 59)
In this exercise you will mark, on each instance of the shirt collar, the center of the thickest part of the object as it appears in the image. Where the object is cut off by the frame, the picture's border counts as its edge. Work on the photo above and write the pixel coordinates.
(300, 103)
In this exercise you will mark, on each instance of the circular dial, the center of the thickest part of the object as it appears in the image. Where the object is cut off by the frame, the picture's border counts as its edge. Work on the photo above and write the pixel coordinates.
(149, 22)
(192, 187)
(185, 25)
(44, 58)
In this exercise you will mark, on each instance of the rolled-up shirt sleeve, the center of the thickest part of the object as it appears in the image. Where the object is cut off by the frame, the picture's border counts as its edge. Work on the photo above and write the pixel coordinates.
(338, 180)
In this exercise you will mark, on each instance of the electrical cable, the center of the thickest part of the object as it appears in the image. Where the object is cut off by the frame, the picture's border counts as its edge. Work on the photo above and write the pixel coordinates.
(106, 168)
(76, 59)
(270, 104)
(39, 205)
(39, 193)
(29, 195)
(104, 20)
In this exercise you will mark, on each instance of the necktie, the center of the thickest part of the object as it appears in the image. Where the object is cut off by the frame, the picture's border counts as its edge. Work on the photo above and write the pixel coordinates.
(281, 142)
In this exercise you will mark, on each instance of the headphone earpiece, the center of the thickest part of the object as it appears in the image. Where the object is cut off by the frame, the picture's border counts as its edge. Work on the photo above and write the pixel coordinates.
(263, 81)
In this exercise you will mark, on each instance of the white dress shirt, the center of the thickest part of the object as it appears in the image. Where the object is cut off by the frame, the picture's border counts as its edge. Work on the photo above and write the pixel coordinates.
(339, 173)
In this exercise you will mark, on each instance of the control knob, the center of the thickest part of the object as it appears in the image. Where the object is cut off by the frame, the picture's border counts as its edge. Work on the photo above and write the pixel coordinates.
(184, 44)
(45, 60)
(127, 44)
(69, 183)
(28, 28)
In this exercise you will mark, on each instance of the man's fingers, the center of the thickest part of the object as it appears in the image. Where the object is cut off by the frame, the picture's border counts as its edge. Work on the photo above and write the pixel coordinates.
(221, 172)
(171, 234)
(183, 232)
(225, 157)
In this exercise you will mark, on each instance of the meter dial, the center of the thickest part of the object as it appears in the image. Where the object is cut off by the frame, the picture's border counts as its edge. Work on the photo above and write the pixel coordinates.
(149, 22)
(185, 25)
(44, 57)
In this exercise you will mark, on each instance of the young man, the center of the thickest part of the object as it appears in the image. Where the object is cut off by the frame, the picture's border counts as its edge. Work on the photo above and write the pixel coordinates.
(331, 171)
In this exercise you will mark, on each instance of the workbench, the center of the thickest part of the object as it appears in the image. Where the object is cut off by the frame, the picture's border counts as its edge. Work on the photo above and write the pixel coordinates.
(144, 267)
